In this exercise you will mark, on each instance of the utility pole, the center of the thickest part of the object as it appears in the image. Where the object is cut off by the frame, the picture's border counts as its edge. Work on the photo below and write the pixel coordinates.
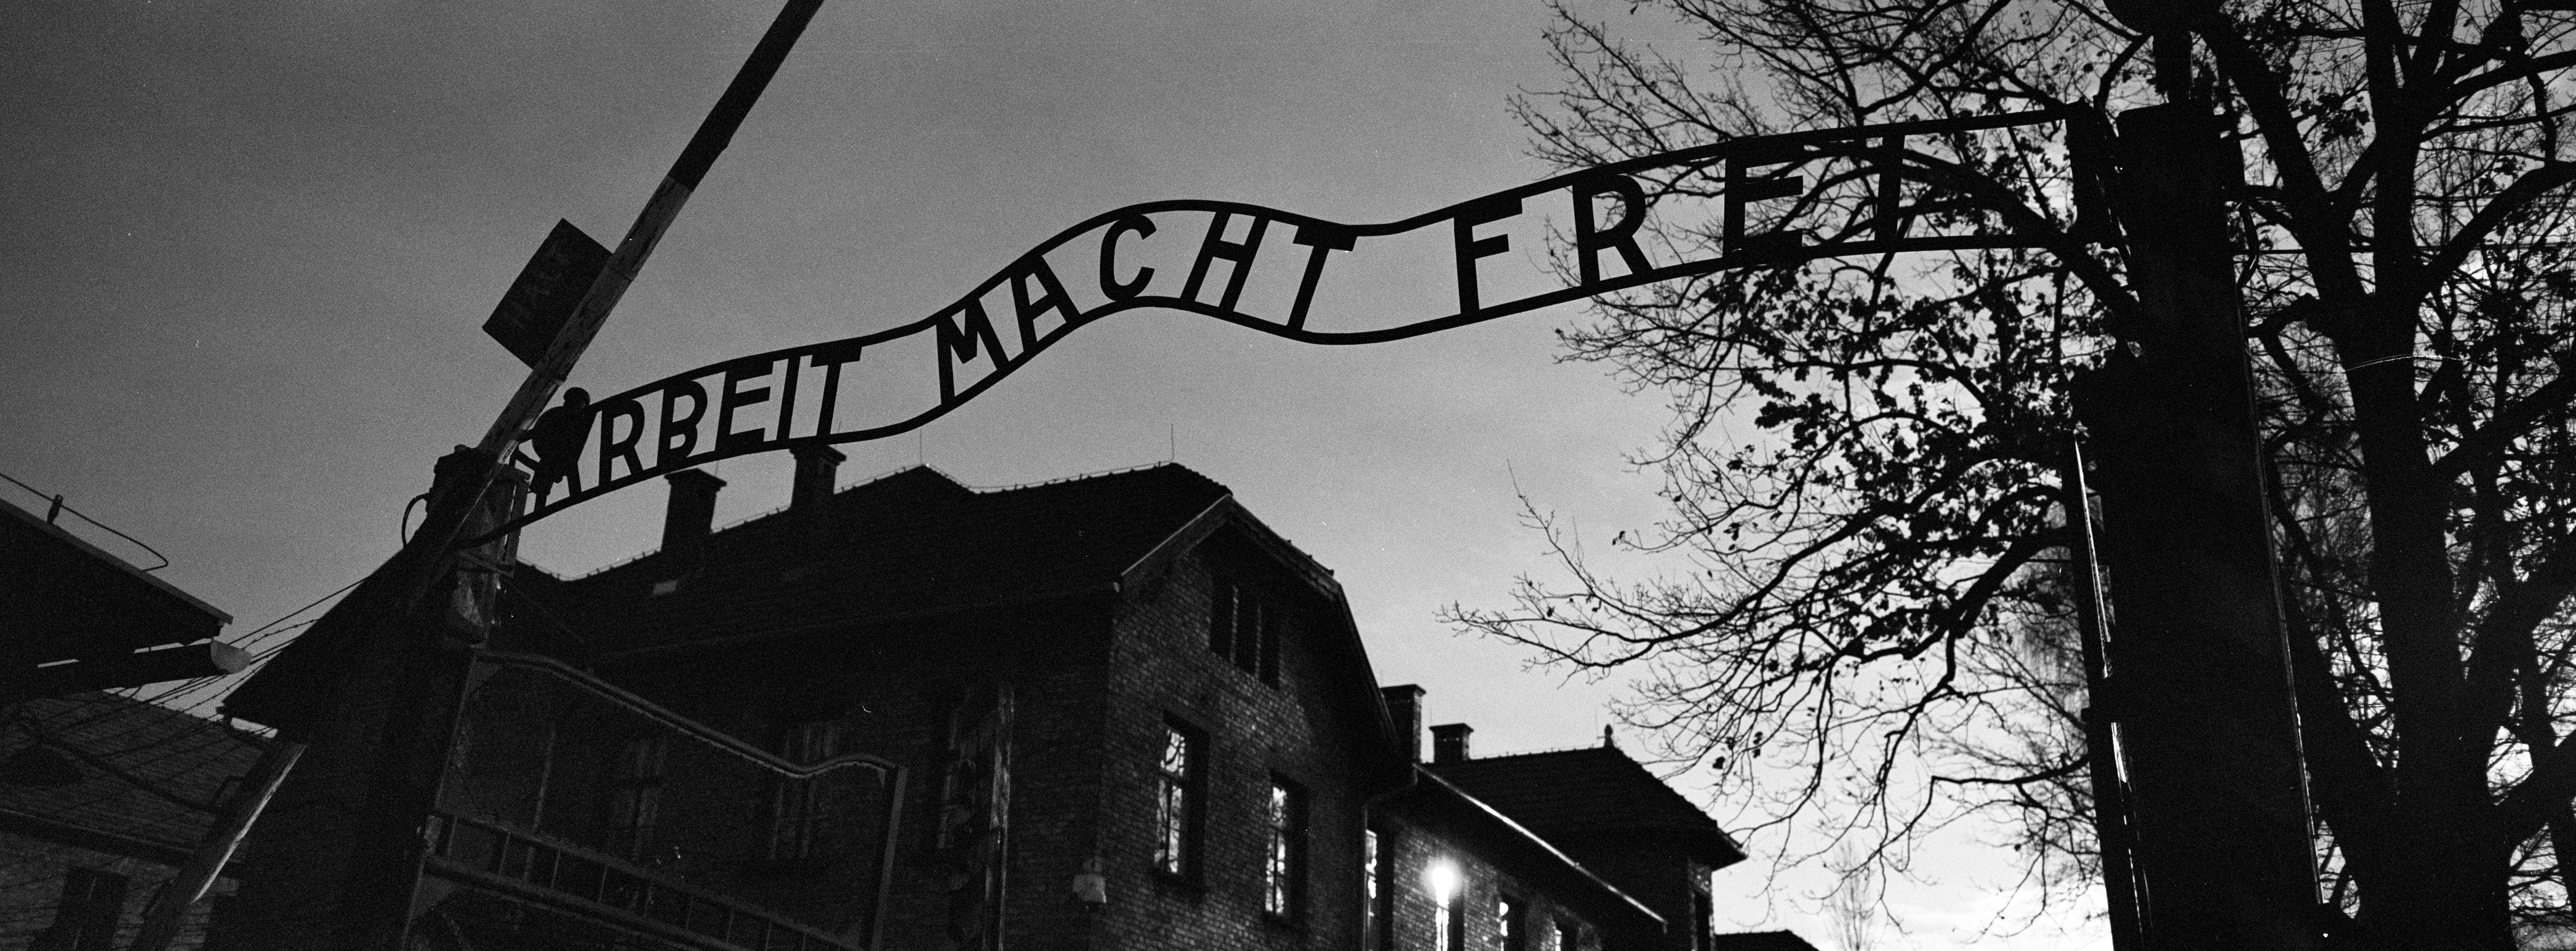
(372, 691)
(2200, 689)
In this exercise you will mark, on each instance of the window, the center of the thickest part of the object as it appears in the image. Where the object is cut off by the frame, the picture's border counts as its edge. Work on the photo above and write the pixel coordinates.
(1377, 870)
(1567, 939)
(1448, 904)
(797, 810)
(635, 798)
(1273, 624)
(1699, 920)
(85, 919)
(1283, 872)
(1509, 929)
(1221, 619)
(1176, 801)
(1246, 630)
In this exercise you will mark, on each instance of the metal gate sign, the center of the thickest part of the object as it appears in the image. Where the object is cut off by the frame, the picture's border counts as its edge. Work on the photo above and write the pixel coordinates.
(1776, 200)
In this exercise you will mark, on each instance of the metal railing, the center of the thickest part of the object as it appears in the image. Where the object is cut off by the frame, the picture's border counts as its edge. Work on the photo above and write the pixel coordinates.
(611, 891)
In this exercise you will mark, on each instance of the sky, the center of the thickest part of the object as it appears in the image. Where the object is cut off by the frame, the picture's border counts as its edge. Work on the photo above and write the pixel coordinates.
(245, 250)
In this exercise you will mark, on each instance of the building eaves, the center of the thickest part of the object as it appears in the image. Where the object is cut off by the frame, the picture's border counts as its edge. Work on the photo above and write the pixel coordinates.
(1571, 795)
(1446, 788)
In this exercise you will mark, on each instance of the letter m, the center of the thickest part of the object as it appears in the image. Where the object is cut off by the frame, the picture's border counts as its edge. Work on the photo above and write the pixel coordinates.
(962, 332)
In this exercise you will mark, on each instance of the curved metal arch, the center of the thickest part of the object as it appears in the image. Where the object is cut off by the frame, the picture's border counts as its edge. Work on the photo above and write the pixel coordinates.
(954, 331)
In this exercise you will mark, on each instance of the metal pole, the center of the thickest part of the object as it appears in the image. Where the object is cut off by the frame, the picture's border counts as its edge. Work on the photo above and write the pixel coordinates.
(2110, 792)
(2208, 723)
(161, 919)
(414, 571)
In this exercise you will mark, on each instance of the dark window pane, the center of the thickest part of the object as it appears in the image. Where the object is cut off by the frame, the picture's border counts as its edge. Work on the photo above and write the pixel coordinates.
(1274, 629)
(1221, 619)
(1247, 632)
(85, 917)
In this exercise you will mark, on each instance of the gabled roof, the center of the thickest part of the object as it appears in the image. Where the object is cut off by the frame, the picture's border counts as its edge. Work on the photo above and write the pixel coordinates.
(101, 771)
(910, 543)
(1571, 795)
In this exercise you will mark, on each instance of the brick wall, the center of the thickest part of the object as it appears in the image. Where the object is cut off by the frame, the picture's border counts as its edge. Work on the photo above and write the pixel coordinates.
(1653, 870)
(892, 692)
(1305, 728)
(1415, 850)
(31, 886)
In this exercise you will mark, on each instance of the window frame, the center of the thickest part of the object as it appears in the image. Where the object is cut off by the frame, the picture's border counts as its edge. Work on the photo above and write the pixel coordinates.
(1703, 913)
(1377, 892)
(1284, 866)
(797, 807)
(1274, 629)
(1450, 923)
(86, 918)
(1511, 921)
(1246, 626)
(1223, 596)
(635, 796)
(1177, 852)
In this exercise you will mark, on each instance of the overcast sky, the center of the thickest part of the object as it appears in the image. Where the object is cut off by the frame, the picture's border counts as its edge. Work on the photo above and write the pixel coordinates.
(245, 250)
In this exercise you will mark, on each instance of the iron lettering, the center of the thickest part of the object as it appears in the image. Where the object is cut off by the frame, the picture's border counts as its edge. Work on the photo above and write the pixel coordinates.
(1779, 200)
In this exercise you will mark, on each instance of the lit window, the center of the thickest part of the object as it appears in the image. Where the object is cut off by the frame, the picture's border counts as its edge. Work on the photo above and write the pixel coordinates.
(1448, 897)
(797, 806)
(85, 920)
(1283, 874)
(635, 798)
(1375, 867)
(1175, 801)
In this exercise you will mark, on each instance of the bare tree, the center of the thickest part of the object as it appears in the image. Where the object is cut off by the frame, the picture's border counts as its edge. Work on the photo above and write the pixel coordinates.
(1855, 623)
(1851, 909)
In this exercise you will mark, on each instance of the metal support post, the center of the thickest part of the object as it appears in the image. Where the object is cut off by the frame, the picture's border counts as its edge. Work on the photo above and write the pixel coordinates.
(2202, 694)
(2111, 821)
(363, 661)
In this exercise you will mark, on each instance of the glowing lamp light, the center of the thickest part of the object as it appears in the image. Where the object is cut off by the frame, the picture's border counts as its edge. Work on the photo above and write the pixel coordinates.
(1443, 878)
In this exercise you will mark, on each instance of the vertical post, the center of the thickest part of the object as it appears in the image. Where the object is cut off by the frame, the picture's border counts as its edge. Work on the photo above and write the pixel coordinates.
(2207, 721)
(2111, 833)
(374, 687)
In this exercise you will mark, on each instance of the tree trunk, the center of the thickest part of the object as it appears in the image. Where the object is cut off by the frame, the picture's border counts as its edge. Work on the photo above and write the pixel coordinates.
(2448, 889)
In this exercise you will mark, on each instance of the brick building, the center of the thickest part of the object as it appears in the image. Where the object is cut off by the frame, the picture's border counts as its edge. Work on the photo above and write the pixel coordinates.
(1114, 712)
(1611, 816)
(102, 798)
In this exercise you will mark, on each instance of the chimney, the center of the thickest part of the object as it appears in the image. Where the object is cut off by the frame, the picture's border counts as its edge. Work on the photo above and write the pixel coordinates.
(692, 512)
(816, 469)
(1449, 743)
(1404, 706)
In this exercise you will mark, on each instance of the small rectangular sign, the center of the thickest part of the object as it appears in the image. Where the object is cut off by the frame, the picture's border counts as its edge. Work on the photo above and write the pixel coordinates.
(546, 292)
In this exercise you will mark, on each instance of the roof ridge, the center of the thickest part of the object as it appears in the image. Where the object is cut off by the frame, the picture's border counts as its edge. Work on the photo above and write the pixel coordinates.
(1556, 750)
(1079, 477)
